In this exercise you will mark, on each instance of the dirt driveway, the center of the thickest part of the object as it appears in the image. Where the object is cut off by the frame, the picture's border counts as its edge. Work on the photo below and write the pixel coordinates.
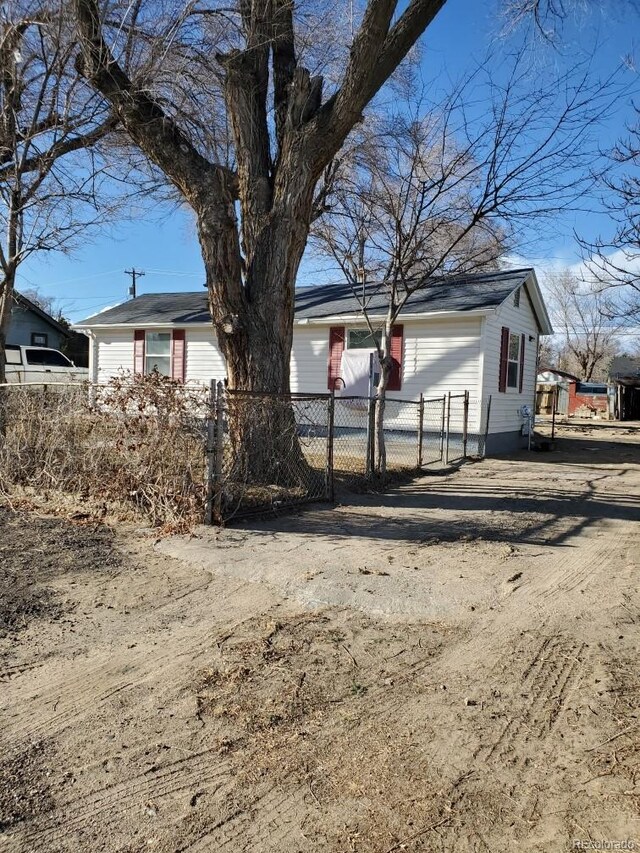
(449, 667)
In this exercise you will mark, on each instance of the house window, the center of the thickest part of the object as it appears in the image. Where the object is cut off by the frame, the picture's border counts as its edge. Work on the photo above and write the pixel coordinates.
(39, 339)
(513, 362)
(591, 388)
(363, 339)
(516, 298)
(158, 353)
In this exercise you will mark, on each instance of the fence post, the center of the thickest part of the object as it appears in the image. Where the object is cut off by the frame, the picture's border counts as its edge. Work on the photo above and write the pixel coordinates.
(465, 425)
(330, 430)
(420, 428)
(219, 453)
(444, 406)
(446, 456)
(210, 451)
(371, 441)
(553, 414)
(486, 428)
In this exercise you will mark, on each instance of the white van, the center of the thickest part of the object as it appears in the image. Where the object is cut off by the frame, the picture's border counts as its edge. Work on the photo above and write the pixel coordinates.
(41, 365)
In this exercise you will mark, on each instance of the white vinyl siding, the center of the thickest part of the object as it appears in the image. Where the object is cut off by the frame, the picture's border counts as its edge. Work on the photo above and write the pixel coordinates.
(506, 406)
(442, 356)
(204, 360)
(114, 351)
(309, 359)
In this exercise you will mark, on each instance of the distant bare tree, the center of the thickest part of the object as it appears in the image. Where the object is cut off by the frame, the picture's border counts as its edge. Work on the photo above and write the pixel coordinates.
(48, 304)
(548, 355)
(589, 337)
(444, 195)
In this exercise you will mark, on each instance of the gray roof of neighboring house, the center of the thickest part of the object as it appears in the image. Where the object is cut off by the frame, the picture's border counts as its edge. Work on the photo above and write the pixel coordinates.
(624, 366)
(28, 305)
(461, 293)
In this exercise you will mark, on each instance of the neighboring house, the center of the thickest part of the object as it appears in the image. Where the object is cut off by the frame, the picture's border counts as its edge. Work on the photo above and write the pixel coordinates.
(31, 326)
(477, 333)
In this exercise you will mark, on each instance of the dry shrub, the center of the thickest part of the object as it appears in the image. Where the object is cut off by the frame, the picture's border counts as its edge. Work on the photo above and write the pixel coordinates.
(136, 441)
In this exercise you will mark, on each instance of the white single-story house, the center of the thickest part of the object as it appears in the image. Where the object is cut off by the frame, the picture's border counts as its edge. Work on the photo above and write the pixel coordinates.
(478, 333)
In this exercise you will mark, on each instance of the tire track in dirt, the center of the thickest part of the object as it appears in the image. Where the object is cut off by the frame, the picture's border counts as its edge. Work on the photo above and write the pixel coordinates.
(81, 694)
(79, 690)
(120, 799)
(265, 824)
(579, 570)
(550, 677)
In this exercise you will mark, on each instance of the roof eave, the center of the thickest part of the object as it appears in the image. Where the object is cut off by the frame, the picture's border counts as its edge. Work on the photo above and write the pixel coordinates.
(137, 324)
(304, 321)
(537, 302)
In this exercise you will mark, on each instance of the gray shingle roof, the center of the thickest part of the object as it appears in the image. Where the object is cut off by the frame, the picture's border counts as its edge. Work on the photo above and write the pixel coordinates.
(463, 293)
(624, 366)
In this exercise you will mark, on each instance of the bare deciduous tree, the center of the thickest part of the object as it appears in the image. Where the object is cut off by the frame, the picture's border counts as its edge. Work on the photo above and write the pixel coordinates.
(614, 263)
(51, 175)
(254, 204)
(444, 195)
(590, 338)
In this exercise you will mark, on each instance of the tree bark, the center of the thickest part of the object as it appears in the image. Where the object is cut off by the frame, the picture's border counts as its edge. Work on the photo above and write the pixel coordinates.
(6, 298)
(256, 339)
(384, 357)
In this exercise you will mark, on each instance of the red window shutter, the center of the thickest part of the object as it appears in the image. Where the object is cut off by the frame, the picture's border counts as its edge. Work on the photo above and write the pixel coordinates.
(138, 351)
(336, 347)
(178, 355)
(521, 379)
(504, 357)
(397, 340)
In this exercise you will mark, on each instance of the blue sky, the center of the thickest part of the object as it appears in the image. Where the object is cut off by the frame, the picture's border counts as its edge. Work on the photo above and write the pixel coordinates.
(168, 252)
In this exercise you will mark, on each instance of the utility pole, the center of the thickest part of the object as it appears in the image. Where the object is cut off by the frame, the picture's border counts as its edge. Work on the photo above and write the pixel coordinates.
(134, 273)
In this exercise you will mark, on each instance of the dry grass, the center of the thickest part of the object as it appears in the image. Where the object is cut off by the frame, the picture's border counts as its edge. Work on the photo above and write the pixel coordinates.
(133, 444)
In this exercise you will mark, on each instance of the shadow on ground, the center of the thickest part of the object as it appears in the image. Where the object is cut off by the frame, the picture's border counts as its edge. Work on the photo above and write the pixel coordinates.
(523, 498)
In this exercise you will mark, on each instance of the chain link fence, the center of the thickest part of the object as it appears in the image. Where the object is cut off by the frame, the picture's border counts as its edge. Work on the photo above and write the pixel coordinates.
(267, 451)
(180, 454)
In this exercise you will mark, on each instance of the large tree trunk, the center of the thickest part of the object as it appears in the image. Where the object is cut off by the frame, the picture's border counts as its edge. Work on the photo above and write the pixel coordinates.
(256, 345)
